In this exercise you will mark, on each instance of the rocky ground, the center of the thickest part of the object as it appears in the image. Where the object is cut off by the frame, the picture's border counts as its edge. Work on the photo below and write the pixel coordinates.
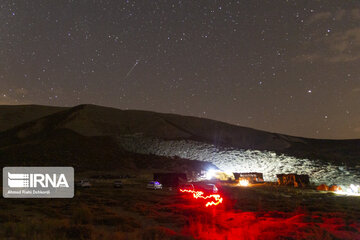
(239, 160)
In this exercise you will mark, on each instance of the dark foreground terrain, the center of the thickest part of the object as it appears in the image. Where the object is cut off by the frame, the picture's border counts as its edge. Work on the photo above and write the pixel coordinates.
(133, 212)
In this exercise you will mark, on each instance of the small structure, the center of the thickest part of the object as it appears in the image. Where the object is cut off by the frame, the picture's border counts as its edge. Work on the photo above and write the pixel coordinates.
(293, 180)
(335, 188)
(252, 177)
(170, 179)
(322, 187)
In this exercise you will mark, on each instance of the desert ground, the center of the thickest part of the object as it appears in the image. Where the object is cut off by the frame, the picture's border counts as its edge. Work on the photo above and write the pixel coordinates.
(101, 141)
(264, 211)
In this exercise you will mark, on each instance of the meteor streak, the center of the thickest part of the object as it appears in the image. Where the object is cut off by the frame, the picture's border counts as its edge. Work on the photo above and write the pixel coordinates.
(132, 68)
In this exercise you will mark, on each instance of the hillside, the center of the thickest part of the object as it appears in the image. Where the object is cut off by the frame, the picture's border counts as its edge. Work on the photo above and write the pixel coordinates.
(91, 120)
(92, 135)
(13, 115)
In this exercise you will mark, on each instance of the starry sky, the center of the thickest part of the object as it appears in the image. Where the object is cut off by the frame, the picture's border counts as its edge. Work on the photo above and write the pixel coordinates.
(282, 66)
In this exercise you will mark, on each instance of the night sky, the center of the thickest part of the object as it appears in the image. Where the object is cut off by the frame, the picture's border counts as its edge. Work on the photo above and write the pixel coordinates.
(281, 66)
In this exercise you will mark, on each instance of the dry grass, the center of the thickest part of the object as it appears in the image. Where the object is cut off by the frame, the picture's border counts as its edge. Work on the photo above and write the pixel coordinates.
(102, 212)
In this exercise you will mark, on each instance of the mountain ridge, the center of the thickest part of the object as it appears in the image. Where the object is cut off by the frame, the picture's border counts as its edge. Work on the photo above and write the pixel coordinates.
(54, 109)
(95, 121)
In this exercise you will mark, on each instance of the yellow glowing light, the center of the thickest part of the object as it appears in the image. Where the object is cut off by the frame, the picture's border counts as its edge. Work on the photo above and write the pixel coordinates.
(210, 174)
(353, 190)
(347, 193)
(244, 182)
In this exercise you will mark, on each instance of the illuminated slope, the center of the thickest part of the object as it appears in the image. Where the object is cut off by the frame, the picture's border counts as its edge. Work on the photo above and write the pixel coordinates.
(230, 147)
(240, 160)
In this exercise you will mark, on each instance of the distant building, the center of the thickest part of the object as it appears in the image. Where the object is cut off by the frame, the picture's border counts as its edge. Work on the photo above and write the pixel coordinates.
(252, 177)
(293, 180)
(170, 179)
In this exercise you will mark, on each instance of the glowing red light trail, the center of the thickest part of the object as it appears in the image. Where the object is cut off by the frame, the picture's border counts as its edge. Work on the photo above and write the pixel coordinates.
(199, 194)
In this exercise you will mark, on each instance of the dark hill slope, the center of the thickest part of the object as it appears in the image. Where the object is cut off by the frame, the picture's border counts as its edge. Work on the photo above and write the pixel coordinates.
(63, 147)
(12, 115)
(96, 121)
(90, 120)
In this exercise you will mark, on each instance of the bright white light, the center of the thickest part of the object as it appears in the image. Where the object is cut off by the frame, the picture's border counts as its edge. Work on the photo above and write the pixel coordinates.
(210, 174)
(347, 193)
(353, 190)
(243, 182)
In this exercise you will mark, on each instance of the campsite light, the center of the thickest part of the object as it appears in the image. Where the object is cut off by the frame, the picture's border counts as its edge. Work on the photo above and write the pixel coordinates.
(200, 195)
(355, 188)
(352, 190)
(243, 182)
(210, 174)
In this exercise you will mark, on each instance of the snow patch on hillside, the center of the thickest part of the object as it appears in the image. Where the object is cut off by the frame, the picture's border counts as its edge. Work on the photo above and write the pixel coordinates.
(240, 160)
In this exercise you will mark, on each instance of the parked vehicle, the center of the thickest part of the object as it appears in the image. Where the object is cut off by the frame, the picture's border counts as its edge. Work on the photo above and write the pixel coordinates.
(154, 185)
(187, 186)
(118, 184)
(83, 184)
(210, 188)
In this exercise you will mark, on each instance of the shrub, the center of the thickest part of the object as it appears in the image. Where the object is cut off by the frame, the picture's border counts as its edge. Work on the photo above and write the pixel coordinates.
(82, 215)
(160, 233)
